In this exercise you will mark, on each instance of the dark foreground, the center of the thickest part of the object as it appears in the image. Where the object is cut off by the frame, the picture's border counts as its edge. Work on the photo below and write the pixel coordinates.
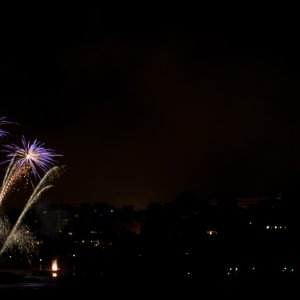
(13, 284)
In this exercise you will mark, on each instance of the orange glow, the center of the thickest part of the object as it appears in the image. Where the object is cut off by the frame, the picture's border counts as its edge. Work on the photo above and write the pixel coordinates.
(54, 274)
(211, 232)
(54, 266)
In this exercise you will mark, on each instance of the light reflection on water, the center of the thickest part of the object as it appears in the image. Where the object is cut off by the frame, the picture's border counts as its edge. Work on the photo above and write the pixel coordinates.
(30, 283)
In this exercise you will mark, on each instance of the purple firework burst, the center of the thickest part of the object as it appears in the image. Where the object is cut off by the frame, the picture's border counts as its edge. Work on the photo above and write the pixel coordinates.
(3, 121)
(32, 154)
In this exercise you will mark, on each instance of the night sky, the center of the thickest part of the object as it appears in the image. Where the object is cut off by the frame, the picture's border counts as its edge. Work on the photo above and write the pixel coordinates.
(143, 109)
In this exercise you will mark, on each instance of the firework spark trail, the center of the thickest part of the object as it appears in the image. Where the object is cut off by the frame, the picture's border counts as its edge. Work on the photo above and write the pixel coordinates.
(9, 171)
(8, 174)
(14, 177)
(13, 232)
(41, 187)
(23, 240)
(4, 228)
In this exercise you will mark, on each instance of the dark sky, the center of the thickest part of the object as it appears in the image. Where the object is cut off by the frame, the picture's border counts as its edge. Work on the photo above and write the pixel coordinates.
(144, 108)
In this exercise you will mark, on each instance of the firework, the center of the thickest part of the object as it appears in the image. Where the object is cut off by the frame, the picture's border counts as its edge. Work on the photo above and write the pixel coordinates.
(4, 228)
(21, 241)
(3, 121)
(32, 154)
(39, 190)
(24, 160)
